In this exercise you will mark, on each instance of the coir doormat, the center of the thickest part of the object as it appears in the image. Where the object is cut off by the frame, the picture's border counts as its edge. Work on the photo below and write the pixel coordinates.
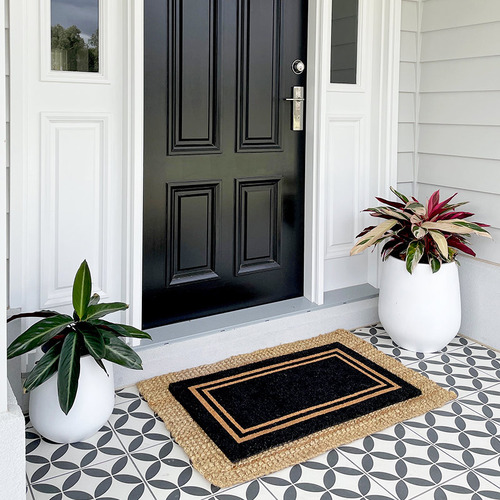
(257, 413)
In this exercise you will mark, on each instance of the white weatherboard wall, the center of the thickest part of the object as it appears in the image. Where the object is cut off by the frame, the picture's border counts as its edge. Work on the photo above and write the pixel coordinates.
(458, 138)
(408, 96)
(12, 468)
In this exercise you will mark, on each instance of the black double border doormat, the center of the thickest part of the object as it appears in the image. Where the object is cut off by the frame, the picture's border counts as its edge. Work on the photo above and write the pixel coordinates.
(249, 415)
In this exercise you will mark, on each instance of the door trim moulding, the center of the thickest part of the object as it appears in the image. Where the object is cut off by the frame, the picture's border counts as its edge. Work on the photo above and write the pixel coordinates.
(319, 29)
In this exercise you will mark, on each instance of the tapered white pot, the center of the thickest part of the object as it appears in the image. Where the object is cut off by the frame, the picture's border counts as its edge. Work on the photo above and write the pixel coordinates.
(420, 311)
(93, 404)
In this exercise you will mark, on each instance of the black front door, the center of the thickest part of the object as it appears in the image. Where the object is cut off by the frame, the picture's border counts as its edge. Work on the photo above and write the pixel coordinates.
(224, 171)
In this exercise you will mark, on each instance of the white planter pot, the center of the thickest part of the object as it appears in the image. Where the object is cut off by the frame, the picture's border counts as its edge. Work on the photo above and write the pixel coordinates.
(93, 404)
(420, 311)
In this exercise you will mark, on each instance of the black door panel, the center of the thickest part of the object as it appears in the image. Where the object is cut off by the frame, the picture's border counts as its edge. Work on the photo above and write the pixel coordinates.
(224, 172)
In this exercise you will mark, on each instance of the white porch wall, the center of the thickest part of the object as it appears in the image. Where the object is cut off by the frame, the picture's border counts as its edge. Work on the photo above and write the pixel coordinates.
(408, 96)
(456, 128)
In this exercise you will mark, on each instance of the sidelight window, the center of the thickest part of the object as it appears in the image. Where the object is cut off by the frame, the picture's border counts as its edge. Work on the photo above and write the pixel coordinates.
(344, 54)
(75, 35)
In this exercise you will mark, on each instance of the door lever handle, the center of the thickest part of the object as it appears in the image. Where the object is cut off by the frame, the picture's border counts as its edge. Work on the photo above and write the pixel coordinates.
(297, 107)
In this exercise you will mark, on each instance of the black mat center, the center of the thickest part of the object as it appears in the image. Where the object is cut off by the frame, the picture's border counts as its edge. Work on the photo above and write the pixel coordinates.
(249, 409)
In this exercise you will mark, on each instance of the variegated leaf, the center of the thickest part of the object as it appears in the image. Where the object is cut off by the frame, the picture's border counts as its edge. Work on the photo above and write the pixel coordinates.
(457, 226)
(417, 208)
(402, 197)
(372, 236)
(435, 264)
(418, 231)
(441, 242)
(414, 253)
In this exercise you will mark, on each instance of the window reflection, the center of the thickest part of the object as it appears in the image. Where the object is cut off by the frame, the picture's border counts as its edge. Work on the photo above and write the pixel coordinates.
(344, 55)
(75, 35)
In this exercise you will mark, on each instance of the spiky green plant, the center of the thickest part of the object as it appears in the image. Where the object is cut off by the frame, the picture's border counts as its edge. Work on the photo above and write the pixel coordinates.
(414, 232)
(64, 339)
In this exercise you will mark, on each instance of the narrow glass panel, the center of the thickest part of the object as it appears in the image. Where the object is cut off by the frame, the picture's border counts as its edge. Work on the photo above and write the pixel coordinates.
(75, 35)
(344, 41)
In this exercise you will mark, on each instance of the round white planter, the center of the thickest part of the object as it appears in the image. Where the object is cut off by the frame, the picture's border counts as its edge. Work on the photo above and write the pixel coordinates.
(420, 311)
(93, 404)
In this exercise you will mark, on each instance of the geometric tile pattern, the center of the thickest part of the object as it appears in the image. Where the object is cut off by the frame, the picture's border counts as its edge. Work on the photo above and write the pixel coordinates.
(452, 453)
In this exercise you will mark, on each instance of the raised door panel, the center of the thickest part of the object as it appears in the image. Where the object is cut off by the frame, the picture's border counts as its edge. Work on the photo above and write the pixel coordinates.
(193, 229)
(194, 77)
(258, 225)
(259, 54)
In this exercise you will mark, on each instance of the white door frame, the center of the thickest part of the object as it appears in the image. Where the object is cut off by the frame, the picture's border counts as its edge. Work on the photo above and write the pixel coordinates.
(319, 22)
(388, 13)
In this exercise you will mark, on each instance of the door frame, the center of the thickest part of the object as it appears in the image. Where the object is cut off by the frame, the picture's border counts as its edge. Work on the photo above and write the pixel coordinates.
(319, 15)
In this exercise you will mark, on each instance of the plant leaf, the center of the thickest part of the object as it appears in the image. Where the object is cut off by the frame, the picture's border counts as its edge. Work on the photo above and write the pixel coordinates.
(46, 366)
(461, 246)
(402, 197)
(68, 372)
(477, 228)
(94, 299)
(37, 314)
(435, 264)
(372, 236)
(441, 242)
(38, 334)
(416, 208)
(456, 227)
(82, 287)
(418, 231)
(99, 310)
(395, 204)
(92, 339)
(414, 253)
(433, 202)
(121, 330)
(120, 353)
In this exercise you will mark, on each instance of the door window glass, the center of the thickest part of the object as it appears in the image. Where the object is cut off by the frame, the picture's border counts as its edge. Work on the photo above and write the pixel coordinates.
(75, 35)
(344, 55)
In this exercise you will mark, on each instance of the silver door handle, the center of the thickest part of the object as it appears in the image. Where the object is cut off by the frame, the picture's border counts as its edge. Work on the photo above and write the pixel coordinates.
(297, 107)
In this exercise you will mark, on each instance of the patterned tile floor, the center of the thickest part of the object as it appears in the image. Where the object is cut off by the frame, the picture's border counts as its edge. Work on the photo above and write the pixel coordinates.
(450, 453)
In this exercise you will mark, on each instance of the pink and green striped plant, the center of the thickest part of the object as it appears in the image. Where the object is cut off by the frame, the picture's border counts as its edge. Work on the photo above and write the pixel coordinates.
(413, 232)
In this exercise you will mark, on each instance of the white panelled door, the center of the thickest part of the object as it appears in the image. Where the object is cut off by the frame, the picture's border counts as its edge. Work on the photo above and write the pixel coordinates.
(356, 121)
(68, 172)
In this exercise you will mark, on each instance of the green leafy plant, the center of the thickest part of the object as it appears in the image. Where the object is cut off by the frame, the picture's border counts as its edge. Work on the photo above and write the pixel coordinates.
(64, 339)
(413, 232)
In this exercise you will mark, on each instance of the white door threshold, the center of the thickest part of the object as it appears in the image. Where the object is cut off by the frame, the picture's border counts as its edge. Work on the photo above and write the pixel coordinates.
(207, 340)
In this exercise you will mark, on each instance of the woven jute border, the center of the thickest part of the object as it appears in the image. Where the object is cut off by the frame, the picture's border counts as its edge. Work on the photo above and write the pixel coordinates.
(216, 467)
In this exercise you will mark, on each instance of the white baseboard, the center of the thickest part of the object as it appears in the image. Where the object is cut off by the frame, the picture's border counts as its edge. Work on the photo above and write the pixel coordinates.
(199, 350)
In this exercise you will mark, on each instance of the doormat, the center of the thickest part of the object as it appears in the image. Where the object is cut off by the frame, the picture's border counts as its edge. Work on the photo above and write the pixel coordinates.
(254, 414)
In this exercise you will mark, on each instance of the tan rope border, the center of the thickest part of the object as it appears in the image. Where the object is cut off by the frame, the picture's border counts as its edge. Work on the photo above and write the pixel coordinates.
(220, 471)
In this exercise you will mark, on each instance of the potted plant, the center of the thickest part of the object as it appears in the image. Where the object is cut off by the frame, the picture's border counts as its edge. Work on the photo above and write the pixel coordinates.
(419, 300)
(72, 389)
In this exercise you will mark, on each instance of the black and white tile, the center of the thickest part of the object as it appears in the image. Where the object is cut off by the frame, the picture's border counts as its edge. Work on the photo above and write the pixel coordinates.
(450, 453)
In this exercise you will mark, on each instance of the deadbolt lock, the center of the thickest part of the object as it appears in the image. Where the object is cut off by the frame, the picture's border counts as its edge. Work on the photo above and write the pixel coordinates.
(298, 67)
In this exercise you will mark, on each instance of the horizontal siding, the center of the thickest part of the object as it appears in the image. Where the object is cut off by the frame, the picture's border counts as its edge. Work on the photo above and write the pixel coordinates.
(446, 14)
(405, 167)
(455, 172)
(459, 108)
(409, 19)
(460, 140)
(459, 115)
(461, 43)
(407, 107)
(407, 95)
(474, 74)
